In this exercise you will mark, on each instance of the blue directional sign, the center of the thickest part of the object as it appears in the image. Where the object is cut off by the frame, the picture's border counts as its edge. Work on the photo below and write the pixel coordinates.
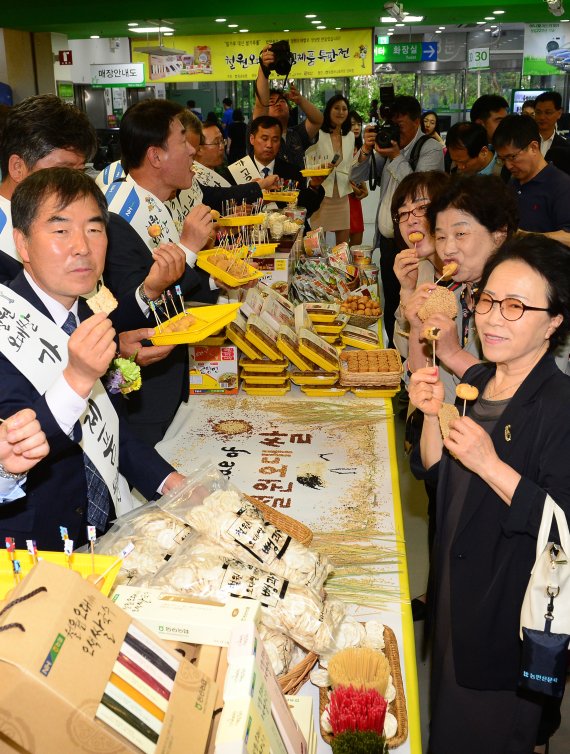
(429, 51)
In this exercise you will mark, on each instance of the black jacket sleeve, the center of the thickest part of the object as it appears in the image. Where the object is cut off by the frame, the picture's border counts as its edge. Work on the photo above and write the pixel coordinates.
(214, 196)
(129, 261)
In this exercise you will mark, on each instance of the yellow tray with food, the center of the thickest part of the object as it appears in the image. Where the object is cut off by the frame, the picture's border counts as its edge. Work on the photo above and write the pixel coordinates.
(263, 249)
(280, 196)
(324, 392)
(78, 561)
(263, 366)
(236, 333)
(228, 268)
(375, 392)
(263, 337)
(253, 378)
(379, 368)
(359, 337)
(332, 328)
(322, 313)
(233, 221)
(195, 324)
(288, 344)
(266, 389)
(318, 350)
(316, 378)
(313, 172)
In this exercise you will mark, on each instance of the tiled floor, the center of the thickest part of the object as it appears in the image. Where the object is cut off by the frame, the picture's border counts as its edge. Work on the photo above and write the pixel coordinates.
(415, 525)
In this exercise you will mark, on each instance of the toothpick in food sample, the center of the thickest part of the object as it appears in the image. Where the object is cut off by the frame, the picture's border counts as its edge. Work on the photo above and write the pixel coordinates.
(32, 549)
(448, 272)
(125, 552)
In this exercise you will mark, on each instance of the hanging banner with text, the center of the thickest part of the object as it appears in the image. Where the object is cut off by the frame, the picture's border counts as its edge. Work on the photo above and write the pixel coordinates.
(545, 49)
(235, 57)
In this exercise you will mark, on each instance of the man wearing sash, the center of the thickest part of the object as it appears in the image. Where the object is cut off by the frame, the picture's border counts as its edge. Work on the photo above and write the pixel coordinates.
(53, 352)
(42, 132)
(158, 161)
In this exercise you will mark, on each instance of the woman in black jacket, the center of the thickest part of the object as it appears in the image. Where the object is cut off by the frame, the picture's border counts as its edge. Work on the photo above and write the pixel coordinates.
(493, 472)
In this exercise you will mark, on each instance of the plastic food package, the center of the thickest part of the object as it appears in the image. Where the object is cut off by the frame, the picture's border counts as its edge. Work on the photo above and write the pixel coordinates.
(239, 528)
(202, 569)
(278, 646)
(155, 535)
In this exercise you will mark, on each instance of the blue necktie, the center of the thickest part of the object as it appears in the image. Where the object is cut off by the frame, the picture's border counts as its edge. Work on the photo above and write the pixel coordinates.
(265, 172)
(98, 498)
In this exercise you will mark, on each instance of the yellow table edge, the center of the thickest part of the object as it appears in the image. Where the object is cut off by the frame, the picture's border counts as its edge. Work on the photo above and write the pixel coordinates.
(412, 694)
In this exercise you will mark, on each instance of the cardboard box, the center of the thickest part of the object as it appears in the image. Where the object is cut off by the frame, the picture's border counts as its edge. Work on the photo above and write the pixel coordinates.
(66, 676)
(214, 369)
(186, 619)
(246, 644)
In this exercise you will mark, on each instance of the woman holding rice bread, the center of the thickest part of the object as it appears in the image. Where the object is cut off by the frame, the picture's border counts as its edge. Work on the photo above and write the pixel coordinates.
(493, 472)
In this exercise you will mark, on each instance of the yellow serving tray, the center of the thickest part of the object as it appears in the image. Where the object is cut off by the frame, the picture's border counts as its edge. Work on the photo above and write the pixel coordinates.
(263, 366)
(248, 348)
(316, 380)
(80, 562)
(209, 320)
(323, 391)
(375, 392)
(272, 390)
(310, 172)
(357, 343)
(280, 196)
(204, 263)
(237, 220)
(214, 340)
(252, 378)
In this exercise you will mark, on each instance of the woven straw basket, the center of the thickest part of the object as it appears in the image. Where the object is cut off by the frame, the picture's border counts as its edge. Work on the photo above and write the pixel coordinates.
(396, 707)
(392, 378)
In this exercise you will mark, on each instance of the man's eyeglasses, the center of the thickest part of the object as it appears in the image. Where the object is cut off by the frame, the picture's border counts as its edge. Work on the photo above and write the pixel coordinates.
(512, 157)
(420, 211)
(217, 143)
(511, 308)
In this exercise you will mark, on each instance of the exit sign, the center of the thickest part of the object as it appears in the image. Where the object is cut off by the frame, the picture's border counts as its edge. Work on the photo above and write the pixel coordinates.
(405, 52)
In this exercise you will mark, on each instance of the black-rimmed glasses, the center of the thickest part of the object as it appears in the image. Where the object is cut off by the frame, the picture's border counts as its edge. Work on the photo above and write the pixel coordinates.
(511, 308)
(420, 211)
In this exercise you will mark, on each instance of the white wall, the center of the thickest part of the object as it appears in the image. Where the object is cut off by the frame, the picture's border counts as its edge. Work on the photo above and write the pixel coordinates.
(85, 52)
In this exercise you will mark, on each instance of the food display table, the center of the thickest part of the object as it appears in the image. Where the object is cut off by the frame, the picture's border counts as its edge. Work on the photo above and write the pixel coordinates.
(331, 464)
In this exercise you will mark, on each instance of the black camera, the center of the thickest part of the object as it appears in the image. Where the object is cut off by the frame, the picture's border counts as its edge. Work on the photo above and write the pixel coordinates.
(386, 134)
(284, 58)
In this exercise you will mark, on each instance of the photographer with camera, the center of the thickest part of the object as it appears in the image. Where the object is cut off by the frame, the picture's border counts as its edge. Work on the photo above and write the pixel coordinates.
(296, 140)
(393, 151)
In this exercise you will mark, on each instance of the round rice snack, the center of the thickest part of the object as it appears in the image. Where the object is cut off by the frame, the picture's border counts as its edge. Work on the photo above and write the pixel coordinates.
(466, 392)
(440, 301)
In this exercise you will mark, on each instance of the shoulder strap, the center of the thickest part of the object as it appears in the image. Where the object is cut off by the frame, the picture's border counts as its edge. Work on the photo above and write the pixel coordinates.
(417, 148)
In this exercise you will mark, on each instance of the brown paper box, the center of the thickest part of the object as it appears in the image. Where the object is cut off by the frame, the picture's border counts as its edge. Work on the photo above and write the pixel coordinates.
(53, 673)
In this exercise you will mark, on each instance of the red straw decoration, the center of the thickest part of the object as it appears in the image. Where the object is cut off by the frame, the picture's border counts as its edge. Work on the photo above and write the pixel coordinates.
(356, 709)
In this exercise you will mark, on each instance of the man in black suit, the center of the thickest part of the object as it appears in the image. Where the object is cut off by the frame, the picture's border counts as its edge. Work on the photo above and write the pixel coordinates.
(42, 132)
(60, 220)
(547, 112)
(265, 139)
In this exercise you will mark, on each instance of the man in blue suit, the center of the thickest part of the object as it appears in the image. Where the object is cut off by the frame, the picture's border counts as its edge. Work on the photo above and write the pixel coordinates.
(60, 219)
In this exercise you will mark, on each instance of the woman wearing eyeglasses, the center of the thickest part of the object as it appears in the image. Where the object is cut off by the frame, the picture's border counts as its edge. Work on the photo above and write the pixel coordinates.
(492, 474)
(469, 220)
(417, 263)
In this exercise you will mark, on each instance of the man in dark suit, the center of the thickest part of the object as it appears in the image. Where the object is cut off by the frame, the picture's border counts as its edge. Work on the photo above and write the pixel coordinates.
(60, 220)
(42, 132)
(547, 112)
(265, 139)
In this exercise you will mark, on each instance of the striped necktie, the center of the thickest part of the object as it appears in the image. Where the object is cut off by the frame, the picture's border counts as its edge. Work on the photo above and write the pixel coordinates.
(98, 498)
